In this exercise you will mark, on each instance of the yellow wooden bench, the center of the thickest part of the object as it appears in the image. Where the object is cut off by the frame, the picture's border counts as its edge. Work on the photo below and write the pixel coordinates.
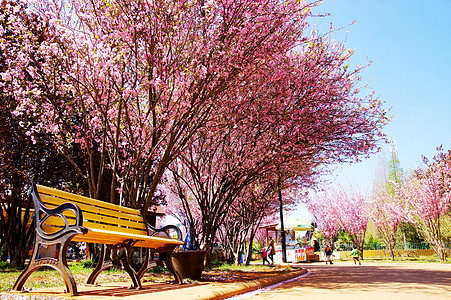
(62, 217)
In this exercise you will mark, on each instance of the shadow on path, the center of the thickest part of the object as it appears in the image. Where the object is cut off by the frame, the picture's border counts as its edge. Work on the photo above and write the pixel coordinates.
(124, 292)
(370, 278)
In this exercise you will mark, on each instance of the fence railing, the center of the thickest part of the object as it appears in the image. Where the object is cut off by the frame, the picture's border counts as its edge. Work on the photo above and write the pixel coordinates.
(400, 246)
(401, 250)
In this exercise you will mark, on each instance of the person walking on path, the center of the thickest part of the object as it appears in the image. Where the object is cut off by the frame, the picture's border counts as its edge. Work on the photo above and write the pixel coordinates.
(271, 250)
(328, 252)
(355, 253)
(265, 256)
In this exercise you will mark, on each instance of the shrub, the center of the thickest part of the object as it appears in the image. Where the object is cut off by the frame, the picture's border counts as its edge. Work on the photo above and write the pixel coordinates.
(158, 270)
(5, 265)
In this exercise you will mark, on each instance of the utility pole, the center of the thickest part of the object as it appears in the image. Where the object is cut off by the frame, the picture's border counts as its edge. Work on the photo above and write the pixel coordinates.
(282, 228)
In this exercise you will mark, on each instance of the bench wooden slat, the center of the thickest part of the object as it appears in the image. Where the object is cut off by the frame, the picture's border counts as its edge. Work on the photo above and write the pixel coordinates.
(89, 218)
(49, 200)
(115, 221)
(58, 223)
(113, 230)
(81, 199)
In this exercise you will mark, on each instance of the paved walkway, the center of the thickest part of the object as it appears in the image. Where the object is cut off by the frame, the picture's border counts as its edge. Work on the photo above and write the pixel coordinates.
(371, 280)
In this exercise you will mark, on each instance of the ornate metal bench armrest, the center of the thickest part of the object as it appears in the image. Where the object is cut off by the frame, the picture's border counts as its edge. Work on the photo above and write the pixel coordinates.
(164, 231)
(43, 213)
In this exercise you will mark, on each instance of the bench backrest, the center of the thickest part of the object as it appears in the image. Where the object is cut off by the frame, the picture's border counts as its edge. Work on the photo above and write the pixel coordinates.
(96, 214)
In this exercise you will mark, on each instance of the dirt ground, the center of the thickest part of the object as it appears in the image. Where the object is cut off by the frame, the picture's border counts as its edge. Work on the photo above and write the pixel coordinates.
(218, 276)
(371, 280)
(238, 276)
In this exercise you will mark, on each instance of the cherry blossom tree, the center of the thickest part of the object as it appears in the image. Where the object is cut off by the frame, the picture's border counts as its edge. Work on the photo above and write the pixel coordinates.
(322, 208)
(232, 224)
(17, 153)
(278, 129)
(212, 186)
(339, 209)
(283, 134)
(353, 207)
(429, 199)
(245, 217)
(255, 205)
(216, 174)
(387, 208)
(130, 82)
(21, 160)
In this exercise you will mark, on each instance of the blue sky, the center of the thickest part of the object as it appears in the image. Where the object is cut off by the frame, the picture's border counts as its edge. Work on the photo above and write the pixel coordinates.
(409, 43)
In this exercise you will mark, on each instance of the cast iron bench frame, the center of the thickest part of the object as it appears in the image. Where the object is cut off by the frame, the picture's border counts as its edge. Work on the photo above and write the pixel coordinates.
(62, 217)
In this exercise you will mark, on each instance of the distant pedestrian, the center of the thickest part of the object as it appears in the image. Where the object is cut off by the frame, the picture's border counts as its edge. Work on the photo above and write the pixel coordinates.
(355, 253)
(315, 245)
(271, 250)
(328, 253)
(265, 256)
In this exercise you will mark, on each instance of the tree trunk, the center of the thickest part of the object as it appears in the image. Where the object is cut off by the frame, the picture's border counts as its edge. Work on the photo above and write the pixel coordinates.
(3, 252)
(391, 250)
(238, 257)
(249, 252)
(362, 245)
(17, 236)
(441, 251)
(207, 248)
(17, 258)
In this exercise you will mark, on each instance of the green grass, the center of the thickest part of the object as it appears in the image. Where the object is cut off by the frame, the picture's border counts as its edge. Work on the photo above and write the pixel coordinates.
(47, 277)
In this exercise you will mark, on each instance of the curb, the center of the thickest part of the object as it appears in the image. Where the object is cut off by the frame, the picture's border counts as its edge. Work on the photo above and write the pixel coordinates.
(242, 288)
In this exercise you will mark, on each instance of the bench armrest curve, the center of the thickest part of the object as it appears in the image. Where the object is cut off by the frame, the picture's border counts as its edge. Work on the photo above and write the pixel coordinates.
(42, 213)
(165, 231)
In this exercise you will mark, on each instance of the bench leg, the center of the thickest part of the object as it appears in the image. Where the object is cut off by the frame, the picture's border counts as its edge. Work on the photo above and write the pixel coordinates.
(106, 262)
(147, 264)
(164, 257)
(59, 264)
(126, 259)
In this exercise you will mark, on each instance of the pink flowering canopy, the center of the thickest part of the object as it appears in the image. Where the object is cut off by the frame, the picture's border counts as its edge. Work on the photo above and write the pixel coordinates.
(131, 83)
(135, 79)
(387, 210)
(337, 209)
(428, 196)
